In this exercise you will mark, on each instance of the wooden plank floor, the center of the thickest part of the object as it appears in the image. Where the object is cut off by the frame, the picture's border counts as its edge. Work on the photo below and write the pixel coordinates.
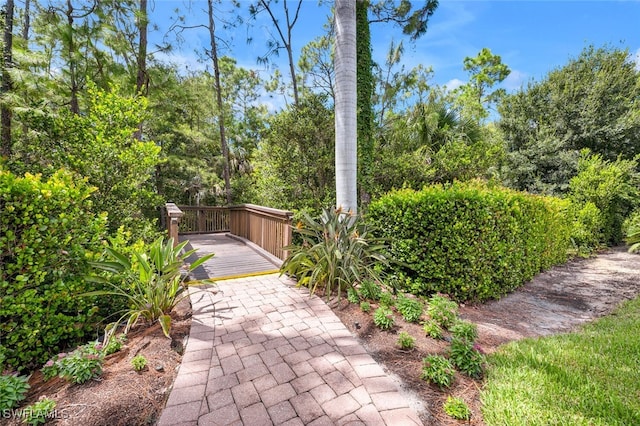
(233, 258)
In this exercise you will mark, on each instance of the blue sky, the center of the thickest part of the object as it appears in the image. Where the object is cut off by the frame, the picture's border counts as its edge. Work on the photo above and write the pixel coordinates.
(532, 37)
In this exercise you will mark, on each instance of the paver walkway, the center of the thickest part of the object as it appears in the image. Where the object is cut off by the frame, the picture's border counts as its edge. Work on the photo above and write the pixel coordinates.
(262, 352)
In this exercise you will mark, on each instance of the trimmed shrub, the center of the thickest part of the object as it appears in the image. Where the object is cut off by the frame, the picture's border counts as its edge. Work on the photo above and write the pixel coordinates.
(470, 240)
(47, 237)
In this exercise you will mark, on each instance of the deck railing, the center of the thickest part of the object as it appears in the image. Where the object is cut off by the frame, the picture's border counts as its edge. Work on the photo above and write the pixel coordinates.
(266, 227)
(204, 220)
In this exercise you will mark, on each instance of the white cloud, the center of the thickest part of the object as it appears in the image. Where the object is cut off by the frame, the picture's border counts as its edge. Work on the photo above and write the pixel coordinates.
(453, 84)
(515, 80)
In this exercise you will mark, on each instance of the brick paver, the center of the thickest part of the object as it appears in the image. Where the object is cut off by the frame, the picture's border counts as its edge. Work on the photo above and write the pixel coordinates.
(262, 351)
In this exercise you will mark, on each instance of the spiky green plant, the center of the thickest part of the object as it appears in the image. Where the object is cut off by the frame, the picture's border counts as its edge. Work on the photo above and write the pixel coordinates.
(154, 282)
(337, 252)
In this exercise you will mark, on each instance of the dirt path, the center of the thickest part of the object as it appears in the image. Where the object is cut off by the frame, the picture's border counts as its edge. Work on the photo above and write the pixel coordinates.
(560, 299)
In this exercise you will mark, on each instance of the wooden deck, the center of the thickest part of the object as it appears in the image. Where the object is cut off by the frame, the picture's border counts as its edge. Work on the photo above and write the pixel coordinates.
(234, 257)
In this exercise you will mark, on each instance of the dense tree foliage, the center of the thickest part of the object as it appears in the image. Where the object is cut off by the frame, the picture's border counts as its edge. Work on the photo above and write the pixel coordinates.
(98, 145)
(303, 136)
(592, 102)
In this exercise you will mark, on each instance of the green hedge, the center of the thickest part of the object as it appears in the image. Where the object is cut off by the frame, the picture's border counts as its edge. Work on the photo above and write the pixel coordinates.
(471, 241)
(47, 237)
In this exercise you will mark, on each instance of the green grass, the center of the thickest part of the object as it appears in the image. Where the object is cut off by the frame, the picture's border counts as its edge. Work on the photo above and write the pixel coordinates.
(591, 377)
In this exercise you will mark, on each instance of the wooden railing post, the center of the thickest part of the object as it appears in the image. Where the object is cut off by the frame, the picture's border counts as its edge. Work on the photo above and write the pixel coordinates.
(287, 237)
(173, 221)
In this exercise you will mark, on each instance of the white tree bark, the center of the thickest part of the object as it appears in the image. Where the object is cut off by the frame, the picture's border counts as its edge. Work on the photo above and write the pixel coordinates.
(346, 106)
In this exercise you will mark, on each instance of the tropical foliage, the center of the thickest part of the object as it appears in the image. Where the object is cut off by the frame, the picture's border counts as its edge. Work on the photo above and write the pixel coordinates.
(152, 282)
(48, 234)
(337, 253)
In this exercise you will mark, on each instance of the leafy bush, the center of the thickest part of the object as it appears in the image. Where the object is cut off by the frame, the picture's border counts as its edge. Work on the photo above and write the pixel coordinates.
(38, 413)
(337, 253)
(464, 330)
(47, 237)
(79, 366)
(139, 362)
(114, 345)
(631, 229)
(365, 306)
(352, 295)
(370, 289)
(383, 318)
(438, 370)
(470, 240)
(586, 231)
(13, 389)
(411, 309)
(433, 329)
(442, 310)
(406, 341)
(466, 357)
(303, 136)
(387, 299)
(457, 408)
(100, 145)
(154, 282)
(611, 186)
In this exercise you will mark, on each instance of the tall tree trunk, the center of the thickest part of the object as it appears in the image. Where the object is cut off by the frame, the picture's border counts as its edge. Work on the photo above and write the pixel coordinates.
(365, 96)
(73, 65)
(7, 84)
(218, 88)
(346, 106)
(27, 20)
(292, 71)
(142, 79)
(286, 39)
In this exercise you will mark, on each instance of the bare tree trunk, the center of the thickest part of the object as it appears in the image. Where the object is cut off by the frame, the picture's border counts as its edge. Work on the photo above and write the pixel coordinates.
(218, 88)
(7, 84)
(27, 20)
(142, 79)
(73, 71)
(286, 40)
(345, 107)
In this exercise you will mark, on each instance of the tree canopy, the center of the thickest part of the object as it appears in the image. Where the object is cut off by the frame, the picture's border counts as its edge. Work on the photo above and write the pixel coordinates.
(592, 102)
